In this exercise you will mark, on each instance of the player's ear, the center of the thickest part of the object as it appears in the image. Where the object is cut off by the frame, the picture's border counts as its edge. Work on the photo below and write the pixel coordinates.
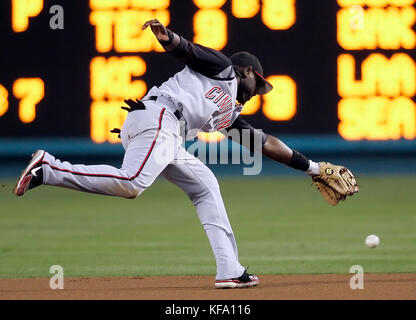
(247, 71)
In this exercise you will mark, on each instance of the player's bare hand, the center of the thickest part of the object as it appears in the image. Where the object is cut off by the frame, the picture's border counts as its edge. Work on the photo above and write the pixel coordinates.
(158, 29)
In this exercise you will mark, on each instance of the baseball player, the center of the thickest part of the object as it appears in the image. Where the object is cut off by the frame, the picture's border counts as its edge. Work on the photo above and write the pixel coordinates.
(207, 95)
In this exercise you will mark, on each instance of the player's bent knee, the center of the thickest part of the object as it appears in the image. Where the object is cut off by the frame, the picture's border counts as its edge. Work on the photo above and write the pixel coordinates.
(136, 193)
(212, 182)
(134, 190)
(206, 192)
(133, 195)
(129, 191)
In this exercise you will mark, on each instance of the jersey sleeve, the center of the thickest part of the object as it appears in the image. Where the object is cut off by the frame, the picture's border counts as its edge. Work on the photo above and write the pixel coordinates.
(255, 135)
(209, 62)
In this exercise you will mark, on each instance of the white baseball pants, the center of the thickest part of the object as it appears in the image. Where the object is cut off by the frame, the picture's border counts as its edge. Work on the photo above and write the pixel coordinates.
(153, 146)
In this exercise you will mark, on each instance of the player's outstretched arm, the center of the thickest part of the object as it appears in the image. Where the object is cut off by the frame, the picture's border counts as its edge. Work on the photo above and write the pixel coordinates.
(270, 146)
(207, 61)
(169, 40)
(334, 182)
(277, 150)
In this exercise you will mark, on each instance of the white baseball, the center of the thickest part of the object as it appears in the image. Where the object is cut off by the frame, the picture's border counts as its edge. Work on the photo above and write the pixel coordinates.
(372, 241)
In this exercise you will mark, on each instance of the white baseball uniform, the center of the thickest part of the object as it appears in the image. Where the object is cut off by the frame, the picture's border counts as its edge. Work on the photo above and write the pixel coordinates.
(204, 95)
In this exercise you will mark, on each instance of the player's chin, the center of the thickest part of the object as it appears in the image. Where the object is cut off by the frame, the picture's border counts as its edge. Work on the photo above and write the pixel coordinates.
(243, 101)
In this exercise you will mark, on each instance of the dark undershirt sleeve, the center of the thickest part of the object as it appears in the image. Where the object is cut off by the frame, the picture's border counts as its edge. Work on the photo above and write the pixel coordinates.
(207, 61)
(256, 135)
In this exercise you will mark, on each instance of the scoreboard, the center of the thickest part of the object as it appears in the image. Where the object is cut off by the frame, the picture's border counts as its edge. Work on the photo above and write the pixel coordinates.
(339, 67)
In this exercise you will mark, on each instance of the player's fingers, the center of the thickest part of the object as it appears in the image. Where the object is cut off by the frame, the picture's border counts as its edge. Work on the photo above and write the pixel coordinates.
(157, 25)
(148, 23)
(154, 23)
(145, 25)
(349, 180)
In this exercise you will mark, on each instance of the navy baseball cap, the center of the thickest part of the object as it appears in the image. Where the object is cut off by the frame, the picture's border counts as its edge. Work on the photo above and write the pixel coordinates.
(245, 59)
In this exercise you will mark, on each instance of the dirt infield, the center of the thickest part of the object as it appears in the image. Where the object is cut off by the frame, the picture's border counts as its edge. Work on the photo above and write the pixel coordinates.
(272, 287)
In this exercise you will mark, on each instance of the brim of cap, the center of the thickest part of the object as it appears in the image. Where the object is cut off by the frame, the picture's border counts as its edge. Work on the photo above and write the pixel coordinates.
(265, 86)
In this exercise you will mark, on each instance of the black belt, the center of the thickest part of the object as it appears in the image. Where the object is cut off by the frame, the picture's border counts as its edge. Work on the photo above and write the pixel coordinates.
(139, 105)
(176, 113)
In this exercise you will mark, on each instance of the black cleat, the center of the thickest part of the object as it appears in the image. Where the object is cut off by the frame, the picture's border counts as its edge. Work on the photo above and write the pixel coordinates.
(245, 281)
(32, 176)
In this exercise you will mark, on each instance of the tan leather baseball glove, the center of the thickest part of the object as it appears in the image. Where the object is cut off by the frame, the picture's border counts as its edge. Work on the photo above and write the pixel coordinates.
(335, 183)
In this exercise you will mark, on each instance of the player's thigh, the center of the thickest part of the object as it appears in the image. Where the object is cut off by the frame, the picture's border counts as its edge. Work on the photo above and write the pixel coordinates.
(193, 177)
(201, 186)
(147, 155)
